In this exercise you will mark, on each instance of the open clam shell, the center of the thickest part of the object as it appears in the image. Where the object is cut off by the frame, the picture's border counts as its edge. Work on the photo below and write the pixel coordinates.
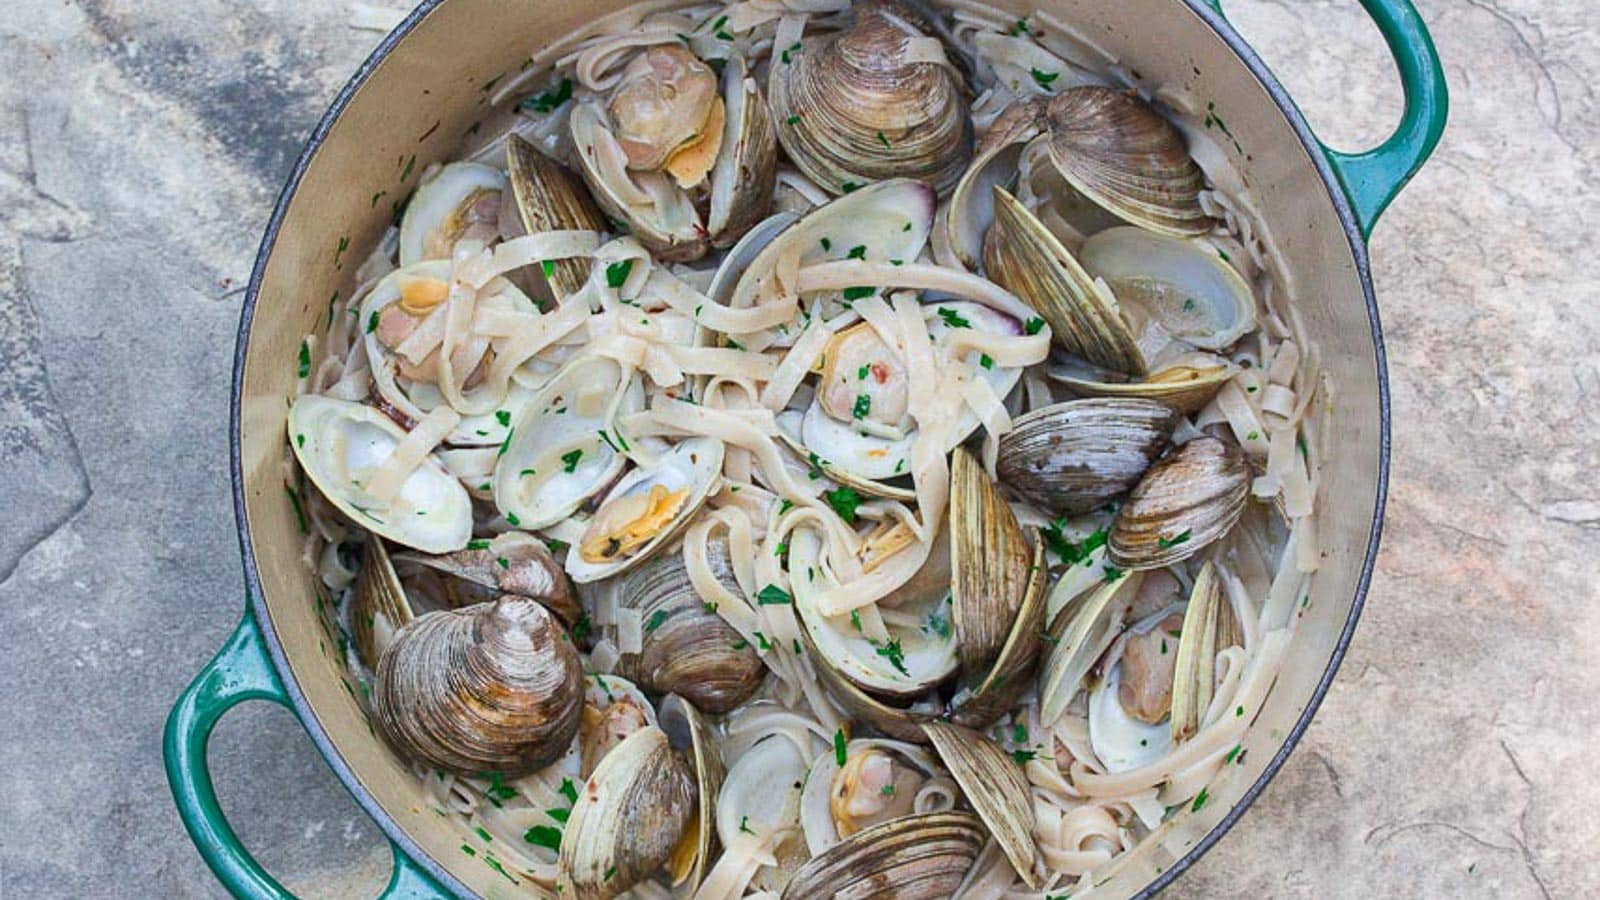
(985, 696)
(630, 815)
(1119, 152)
(1186, 383)
(689, 734)
(496, 687)
(684, 647)
(743, 178)
(910, 858)
(1081, 632)
(380, 606)
(989, 562)
(1073, 457)
(1023, 256)
(900, 722)
(339, 444)
(872, 102)
(556, 457)
(444, 207)
(878, 780)
(1184, 502)
(657, 212)
(549, 198)
(1182, 286)
(994, 784)
(646, 509)
(1209, 625)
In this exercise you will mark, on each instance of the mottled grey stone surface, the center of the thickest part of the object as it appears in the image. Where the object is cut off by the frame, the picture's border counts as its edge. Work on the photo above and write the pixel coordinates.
(141, 144)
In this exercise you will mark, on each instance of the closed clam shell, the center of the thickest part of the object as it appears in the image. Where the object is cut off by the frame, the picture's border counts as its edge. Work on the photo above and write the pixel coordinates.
(686, 648)
(1073, 457)
(1120, 153)
(495, 687)
(1186, 501)
(630, 814)
(994, 784)
(872, 102)
(549, 198)
(909, 858)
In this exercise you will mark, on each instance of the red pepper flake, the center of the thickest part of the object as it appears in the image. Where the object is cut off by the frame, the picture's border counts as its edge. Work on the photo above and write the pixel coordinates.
(880, 372)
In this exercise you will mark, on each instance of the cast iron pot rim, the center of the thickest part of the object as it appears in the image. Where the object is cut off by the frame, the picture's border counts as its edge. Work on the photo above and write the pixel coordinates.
(392, 830)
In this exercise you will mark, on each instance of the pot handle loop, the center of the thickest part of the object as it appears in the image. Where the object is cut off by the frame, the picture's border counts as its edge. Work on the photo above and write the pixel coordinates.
(241, 671)
(1372, 178)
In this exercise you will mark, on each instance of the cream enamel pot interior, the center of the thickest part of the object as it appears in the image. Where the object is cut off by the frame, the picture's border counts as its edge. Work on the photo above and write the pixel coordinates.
(411, 104)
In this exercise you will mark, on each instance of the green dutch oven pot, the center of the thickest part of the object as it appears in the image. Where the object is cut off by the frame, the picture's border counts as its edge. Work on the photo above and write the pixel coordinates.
(365, 153)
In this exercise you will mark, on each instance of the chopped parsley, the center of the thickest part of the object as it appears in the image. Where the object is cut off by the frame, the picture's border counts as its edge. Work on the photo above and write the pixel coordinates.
(1019, 733)
(656, 620)
(794, 119)
(862, 407)
(1020, 28)
(784, 507)
(859, 292)
(569, 790)
(895, 655)
(1235, 753)
(477, 544)
(372, 322)
(503, 417)
(550, 101)
(582, 627)
(305, 360)
(827, 245)
(503, 562)
(505, 443)
(617, 273)
(1033, 326)
(953, 318)
(855, 620)
(1199, 800)
(620, 445)
(859, 251)
(1071, 552)
(986, 361)
(1024, 756)
(1044, 79)
(1112, 573)
(772, 595)
(849, 187)
(761, 641)
(887, 790)
(883, 140)
(498, 789)
(861, 373)
(512, 518)
(794, 48)
(611, 872)
(839, 754)
(543, 836)
(844, 502)
(569, 461)
(744, 825)
(299, 512)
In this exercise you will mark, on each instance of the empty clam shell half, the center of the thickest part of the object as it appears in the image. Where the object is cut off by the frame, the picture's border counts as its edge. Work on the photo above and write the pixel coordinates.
(549, 198)
(994, 784)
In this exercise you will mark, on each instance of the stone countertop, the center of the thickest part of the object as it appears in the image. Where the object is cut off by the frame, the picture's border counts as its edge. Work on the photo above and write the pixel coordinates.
(142, 144)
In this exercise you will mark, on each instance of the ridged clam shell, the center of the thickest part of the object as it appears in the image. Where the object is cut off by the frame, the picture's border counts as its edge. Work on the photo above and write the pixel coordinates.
(551, 199)
(688, 733)
(851, 110)
(1021, 255)
(994, 784)
(1072, 457)
(910, 858)
(985, 696)
(1186, 385)
(1081, 632)
(1119, 152)
(744, 176)
(381, 608)
(491, 688)
(1209, 625)
(690, 650)
(630, 814)
(1186, 501)
(988, 563)
(513, 563)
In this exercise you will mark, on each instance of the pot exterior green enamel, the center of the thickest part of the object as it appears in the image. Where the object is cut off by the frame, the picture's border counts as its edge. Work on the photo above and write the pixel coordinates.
(1325, 203)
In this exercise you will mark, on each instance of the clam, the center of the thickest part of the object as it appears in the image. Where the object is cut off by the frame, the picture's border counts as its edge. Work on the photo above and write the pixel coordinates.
(667, 115)
(994, 784)
(514, 562)
(742, 180)
(1184, 502)
(874, 101)
(342, 446)
(909, 858)
(989, 560)
(380, 606)
(758, 808)
(1129, 705)
(1181, 286)
(689, 734)
(684, 647)
(558, 454)
(1023, 256)
(1120, 153)
(395, 308)
(646, 509)
(1186, 382)
(1081, 632)
(549, 198)
(630, 815)
(1073, 457)
(495, 687)
(461, 196)
(877, 781)
(1209, 626)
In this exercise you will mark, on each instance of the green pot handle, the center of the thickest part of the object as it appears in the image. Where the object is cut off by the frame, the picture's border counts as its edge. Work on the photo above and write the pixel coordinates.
(1372, 178)
(242, 671)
